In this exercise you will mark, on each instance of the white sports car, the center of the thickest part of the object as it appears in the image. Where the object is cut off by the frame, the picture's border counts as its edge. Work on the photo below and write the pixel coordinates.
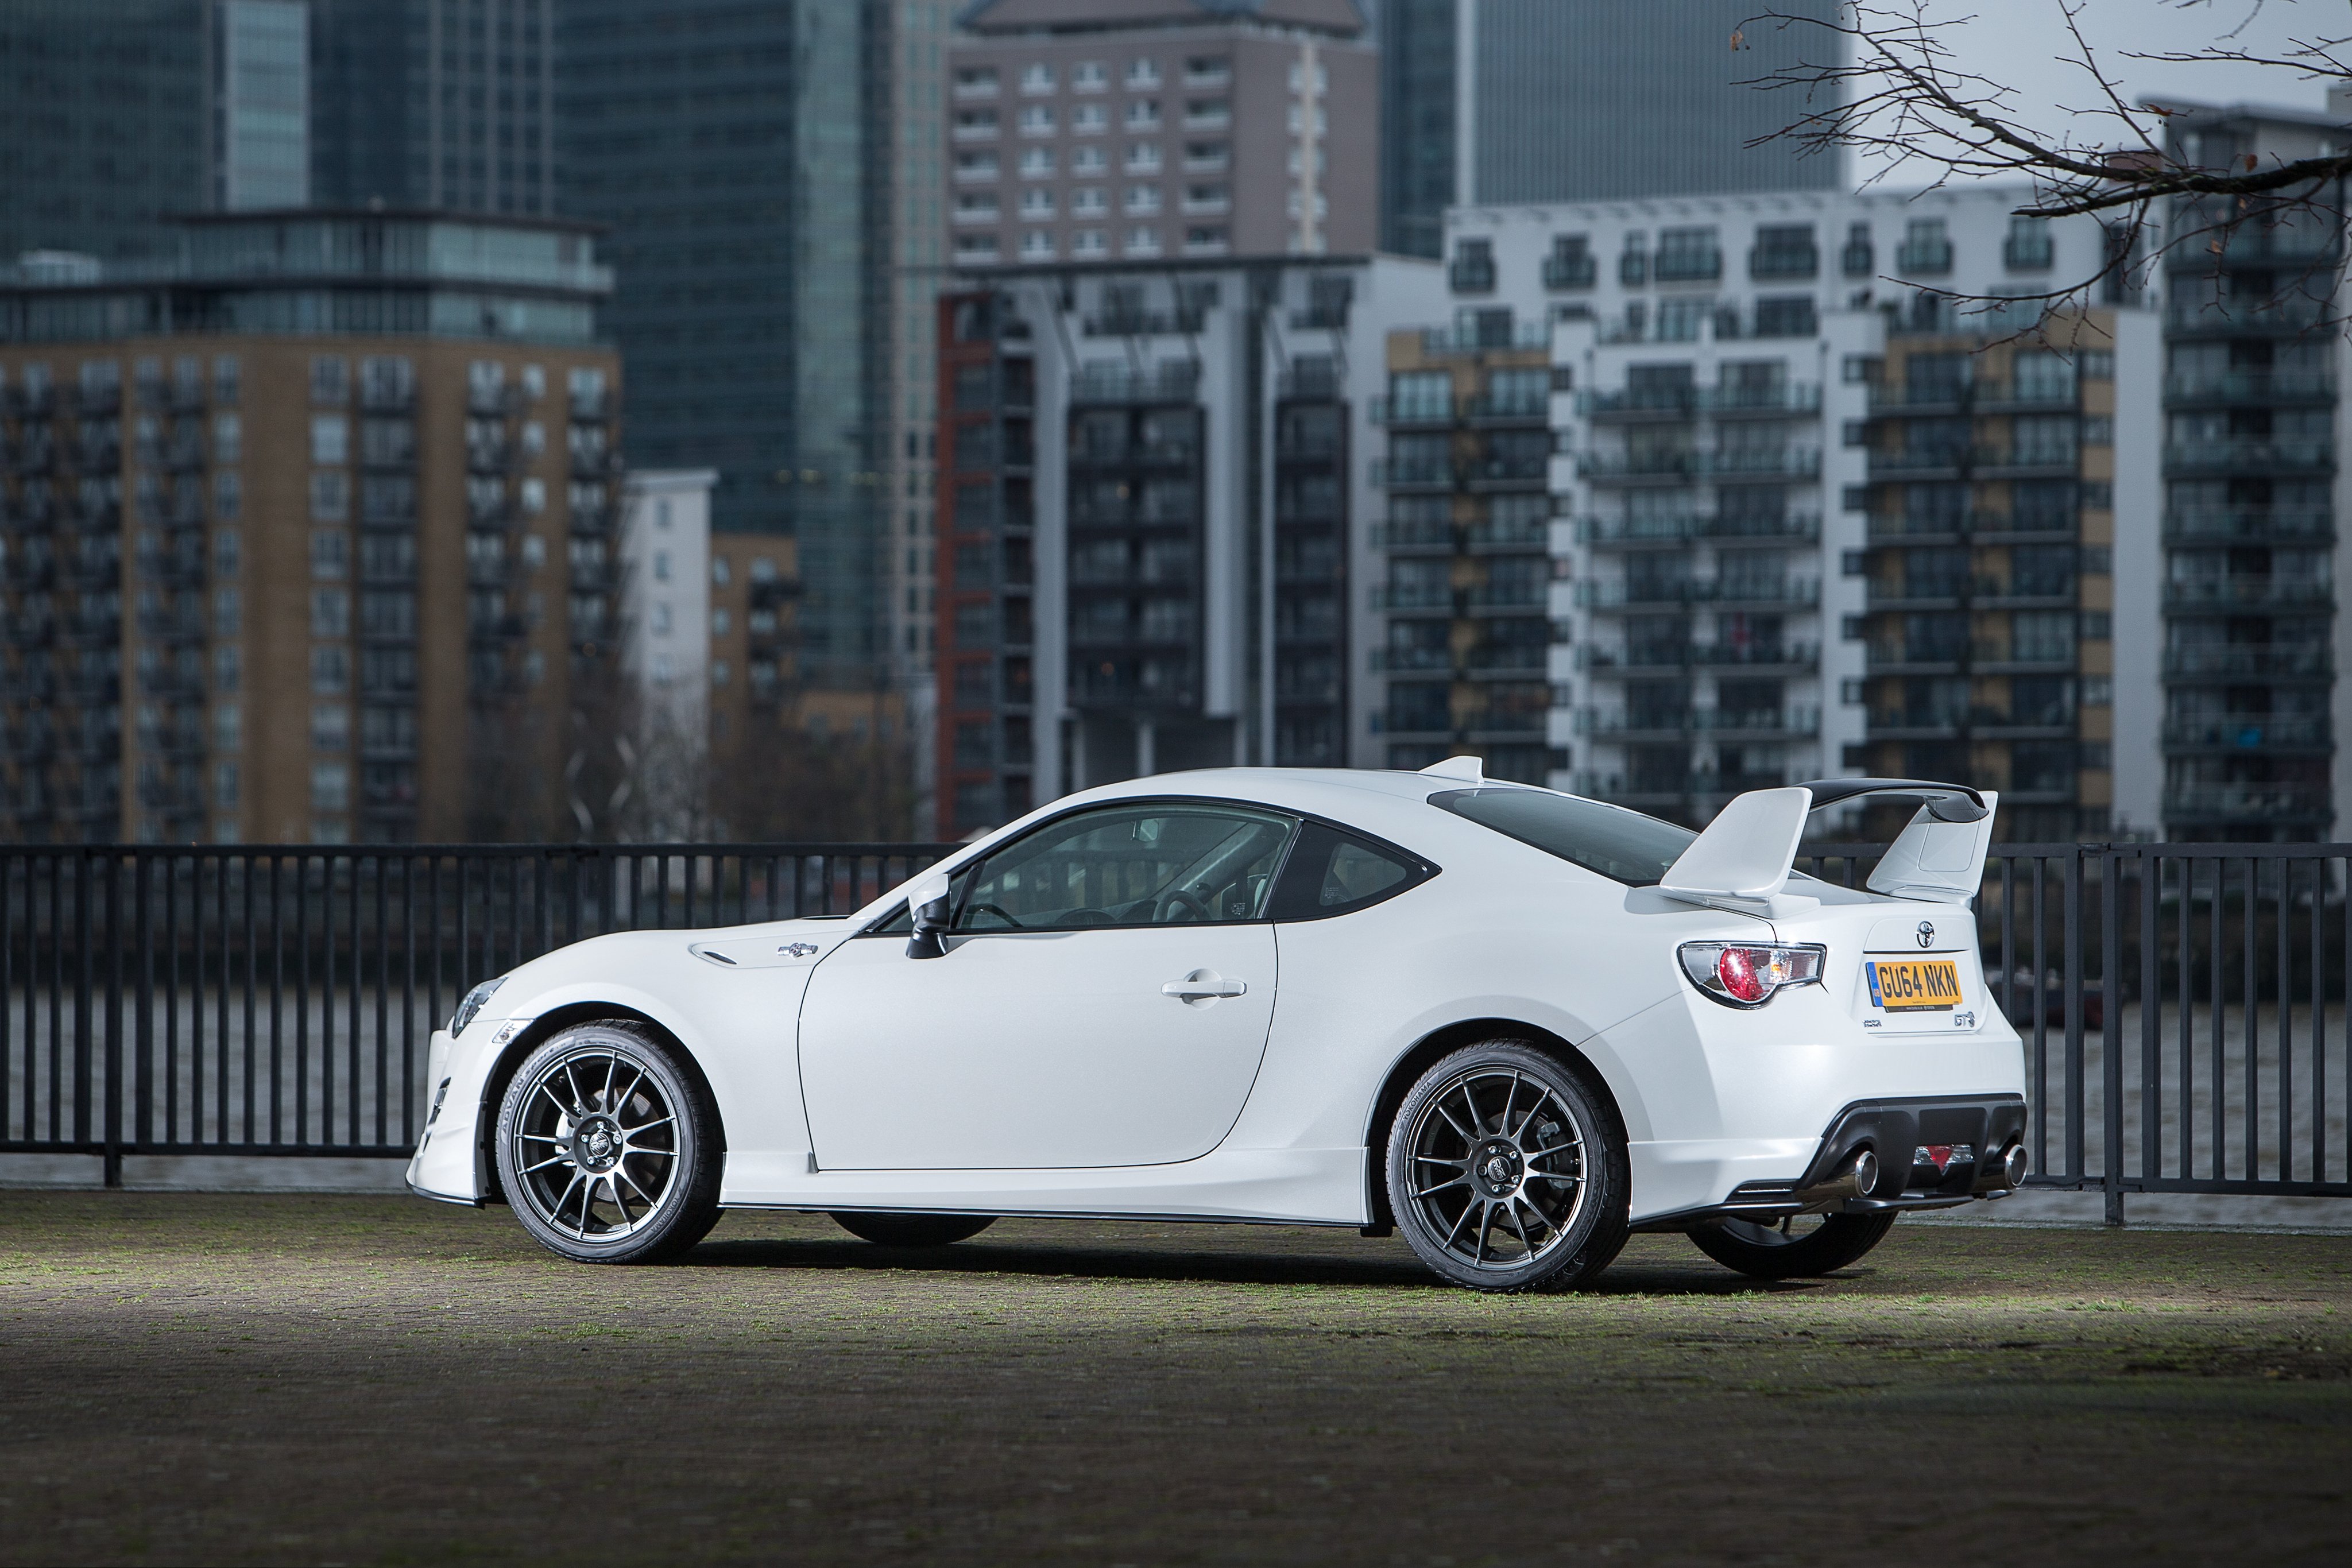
(1513, 1023)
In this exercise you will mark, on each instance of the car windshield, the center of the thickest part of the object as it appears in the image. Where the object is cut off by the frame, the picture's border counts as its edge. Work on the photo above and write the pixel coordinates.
(1621, 844)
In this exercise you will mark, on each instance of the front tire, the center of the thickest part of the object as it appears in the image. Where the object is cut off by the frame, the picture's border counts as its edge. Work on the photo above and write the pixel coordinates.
(912, 1229)
(1795, 1249)
(608, 1146)
(1507, 1171)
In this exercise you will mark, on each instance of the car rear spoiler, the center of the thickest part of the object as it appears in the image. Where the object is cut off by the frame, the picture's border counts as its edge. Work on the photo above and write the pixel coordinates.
(1743, 859)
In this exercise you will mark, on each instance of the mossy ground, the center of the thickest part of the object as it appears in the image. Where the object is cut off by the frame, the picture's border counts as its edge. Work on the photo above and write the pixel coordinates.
(314, 1379)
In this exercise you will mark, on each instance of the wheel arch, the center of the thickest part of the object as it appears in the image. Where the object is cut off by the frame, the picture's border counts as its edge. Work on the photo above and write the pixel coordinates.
(1433, 1048)
(537, 1032)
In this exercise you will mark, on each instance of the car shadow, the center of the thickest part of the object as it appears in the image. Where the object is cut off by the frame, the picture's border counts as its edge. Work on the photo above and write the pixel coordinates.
(1385, 1266)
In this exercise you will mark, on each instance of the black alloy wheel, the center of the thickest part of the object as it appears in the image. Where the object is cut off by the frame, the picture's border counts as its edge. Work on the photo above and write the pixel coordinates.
(1506, 1171)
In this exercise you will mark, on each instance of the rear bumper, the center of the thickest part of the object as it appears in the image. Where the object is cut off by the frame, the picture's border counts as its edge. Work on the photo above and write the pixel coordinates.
(1969, 1133)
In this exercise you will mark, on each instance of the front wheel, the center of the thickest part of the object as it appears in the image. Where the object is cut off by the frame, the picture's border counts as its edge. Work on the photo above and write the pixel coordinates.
(912, 1229)
(608, 1147)
(1795, 1247)
(1506, 1171)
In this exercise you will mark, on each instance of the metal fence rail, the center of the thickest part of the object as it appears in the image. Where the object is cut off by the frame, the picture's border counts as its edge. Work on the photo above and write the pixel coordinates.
(262, 1000)
(2183, 1006)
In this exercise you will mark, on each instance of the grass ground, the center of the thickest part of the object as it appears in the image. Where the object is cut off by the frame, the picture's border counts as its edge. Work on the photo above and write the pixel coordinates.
(312, 1379)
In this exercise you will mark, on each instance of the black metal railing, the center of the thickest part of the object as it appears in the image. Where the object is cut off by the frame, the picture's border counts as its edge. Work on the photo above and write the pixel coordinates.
(2182, 1006)
(265, 1000)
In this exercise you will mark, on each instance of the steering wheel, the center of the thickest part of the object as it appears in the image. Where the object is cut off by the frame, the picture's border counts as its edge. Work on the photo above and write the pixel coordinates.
(1174, 897)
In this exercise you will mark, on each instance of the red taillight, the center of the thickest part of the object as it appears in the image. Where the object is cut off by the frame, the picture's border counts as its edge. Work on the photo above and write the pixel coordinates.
(1737, 970)
(1740, 977)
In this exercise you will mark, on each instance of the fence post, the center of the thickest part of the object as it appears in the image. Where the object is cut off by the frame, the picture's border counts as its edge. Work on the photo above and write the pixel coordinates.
(2111, 1030)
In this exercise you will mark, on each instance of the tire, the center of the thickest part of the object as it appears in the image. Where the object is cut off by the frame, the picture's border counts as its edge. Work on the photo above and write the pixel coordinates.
(912, 1229)
(1796, 1251)
(602, 1166)
(1565, 1174)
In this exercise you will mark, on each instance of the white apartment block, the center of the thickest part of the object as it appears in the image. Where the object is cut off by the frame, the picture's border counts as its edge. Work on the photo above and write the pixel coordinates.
(666, 598)
(1768, 508)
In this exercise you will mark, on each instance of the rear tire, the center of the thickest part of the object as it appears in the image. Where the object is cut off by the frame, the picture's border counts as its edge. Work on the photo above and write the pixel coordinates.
(1506, 1170)
(1771, 1252)
(912, 1229)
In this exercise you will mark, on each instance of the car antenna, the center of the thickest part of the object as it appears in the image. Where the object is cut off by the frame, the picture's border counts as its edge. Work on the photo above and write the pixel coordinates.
(1467, 770)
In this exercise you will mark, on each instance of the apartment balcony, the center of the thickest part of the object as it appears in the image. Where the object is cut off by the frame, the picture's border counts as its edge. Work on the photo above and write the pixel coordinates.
(2247, 804)
(1697, 264)
(1891, 657)
(1414, 661)
(1637, 533)
(1513, 537)
(1924, 258)
(1172, 381)
(2245, 389)
(1471, 275)
(1779, 658)
(1417, 473)
(2256, 733)
(2022, 253)
(2229, 595)
(1600, 659)
(27, 573)
(1639, 468)
(1934, 397)
(2250, 662)
(1972, 523)
(1729, 725)
(1787, 400)
(1640, 405)
(1791, 527)
(2251, 245)
(1465, 337)
(2256, 316)
(2249, 525)
(1508, 473)
(1506, 662)
(1628, 598)
(1420, 413)
(25, 631)
(2249, 455)
(1416, 538)
(1414, 598)
(1783, 262)
(1487, 410)
(1506, 599)
(164, 682)
(1564, 273)
(1780, 463)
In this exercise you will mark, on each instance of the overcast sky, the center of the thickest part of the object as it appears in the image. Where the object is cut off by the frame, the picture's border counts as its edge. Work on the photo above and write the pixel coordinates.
(2022, 44)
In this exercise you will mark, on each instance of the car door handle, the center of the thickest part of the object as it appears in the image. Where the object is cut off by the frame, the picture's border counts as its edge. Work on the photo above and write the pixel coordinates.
(1195, 987)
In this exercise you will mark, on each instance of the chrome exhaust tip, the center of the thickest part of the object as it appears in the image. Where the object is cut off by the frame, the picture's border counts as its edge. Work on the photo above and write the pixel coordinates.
(2006, 1174)
(1855, 1181)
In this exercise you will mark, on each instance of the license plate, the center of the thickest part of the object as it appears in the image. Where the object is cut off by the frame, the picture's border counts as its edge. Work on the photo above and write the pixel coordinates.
(1915, 985)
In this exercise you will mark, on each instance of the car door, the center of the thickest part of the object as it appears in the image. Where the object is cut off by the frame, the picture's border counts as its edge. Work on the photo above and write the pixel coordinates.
(1104, 1000)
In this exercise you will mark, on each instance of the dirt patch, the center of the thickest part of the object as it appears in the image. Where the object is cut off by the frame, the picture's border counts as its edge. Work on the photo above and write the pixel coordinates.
(316, 1379)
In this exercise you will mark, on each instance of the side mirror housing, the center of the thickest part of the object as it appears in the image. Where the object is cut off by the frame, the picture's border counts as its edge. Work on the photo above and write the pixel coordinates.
(928, 911)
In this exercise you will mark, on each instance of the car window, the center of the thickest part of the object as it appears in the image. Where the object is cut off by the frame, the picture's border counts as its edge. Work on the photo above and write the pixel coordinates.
(1130, 865)
(1621, 844)
(1334, 872)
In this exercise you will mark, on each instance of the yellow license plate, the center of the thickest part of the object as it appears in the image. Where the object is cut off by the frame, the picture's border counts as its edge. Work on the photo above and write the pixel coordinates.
(1915, 985)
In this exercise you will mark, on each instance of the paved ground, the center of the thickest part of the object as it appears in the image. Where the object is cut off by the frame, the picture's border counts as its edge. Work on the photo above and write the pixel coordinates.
(346, 1379)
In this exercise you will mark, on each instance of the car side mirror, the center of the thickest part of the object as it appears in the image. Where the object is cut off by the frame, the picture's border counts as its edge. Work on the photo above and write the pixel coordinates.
(928, 909)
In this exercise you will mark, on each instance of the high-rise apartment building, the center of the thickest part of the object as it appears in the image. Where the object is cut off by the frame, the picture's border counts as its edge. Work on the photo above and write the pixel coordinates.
(2252, 488)
(449, 104)
(747, 160)
(1151, 520)
(1164, 129)
(1583, 100)
(1693, 495)
(309, 537)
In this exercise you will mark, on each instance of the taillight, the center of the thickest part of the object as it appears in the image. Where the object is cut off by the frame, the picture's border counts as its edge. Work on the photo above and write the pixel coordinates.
(1743, 977)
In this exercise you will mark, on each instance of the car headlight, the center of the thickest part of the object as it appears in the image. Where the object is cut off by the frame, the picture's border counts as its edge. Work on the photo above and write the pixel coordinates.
(472, 1006)
(1743, 977)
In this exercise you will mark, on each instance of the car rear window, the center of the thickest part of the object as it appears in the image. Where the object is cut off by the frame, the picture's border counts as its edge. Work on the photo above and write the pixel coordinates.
(1621, 844)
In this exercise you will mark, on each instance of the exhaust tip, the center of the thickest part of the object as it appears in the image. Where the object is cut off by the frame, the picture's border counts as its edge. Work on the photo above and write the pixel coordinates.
(1865, 1174)
(2013, 1165)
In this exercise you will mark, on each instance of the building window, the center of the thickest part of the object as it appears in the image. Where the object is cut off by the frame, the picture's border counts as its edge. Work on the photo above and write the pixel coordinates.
(1089, 243)
(1143, 198)
(1088, 161)
(1037, 202)
(331, 786)
(331, 554)
(331, 670)
(1687, 256)
(228, 497)
(1039, 244)
(330, 497)
(229, 438)
(975, 124)
(330, 727)
(1089, 202)
(975, 82)
(1143, 157)
(224, 379)
(1200, 241)
(1090, 76)
(977, 165)
(330, 380)
(1037, 119)
(228, 612)
(1036, 162)
(661, 622)
(1142, 73)
(1143, 114)
(1926, 249)
(1143, 242)
(330, 438)
(1090, 120)
(661, 566)
(1036, 76)
(330, 612)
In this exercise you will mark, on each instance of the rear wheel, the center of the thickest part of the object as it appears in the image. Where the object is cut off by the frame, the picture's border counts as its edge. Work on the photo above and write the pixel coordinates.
(1506, 1171)
(912, 1229)
(1795, 1247)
